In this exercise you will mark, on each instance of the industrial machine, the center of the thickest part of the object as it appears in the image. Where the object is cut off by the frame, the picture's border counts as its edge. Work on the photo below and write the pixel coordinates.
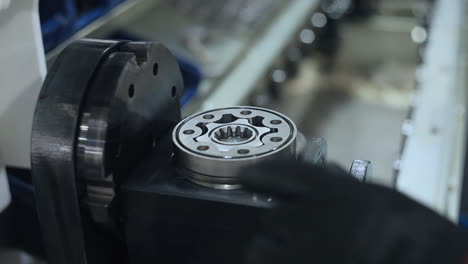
(112, 165)
(120, 177)
(136, 117)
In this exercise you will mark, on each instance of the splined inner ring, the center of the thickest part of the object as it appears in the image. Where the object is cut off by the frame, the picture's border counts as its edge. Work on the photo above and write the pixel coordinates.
(233, 134)
(218, 143)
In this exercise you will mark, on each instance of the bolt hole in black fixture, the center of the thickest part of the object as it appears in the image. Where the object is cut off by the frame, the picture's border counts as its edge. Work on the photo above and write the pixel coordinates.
(155, 69)
(131, 91)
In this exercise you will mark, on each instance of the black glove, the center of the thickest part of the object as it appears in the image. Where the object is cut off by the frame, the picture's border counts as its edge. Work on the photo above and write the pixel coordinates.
(326, 216)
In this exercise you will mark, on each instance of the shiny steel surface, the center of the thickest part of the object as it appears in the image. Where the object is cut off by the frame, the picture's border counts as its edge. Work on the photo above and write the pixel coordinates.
(213, 146)
(361, 170)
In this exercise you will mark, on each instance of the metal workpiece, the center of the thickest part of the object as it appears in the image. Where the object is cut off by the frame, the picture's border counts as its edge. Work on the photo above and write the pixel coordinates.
(213, 146)
(361, 170)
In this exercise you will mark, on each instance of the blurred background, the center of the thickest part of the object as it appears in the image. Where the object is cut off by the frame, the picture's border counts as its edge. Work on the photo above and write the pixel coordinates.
(351, 71)
(341, 69)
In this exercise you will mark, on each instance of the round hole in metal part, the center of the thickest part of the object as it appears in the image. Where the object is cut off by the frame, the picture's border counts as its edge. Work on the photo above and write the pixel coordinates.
(203, 148)
(246, 112)
(208, 116)
(131, 91)
(243, 151)
(275, 122)
(155, 68)
(276, 139)
(189, 132)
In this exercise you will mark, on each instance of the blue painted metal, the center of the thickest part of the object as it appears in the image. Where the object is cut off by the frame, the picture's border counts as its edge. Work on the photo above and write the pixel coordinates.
(192, 78)
(463, 220)
(60, 19)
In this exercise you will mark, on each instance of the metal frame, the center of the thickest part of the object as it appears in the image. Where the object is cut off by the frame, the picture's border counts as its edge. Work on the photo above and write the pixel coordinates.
(431, 169)
(234, 89)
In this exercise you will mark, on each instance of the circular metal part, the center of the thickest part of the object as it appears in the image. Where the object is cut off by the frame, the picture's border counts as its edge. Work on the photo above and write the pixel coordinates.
(101, 109)
(213, 146)
(130, 97)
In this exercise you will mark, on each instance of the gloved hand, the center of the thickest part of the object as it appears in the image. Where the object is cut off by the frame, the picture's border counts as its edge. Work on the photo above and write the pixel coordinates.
(326, 216)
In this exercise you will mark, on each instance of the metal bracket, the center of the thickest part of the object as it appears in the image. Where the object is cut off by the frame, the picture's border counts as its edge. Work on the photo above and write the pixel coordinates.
(361, 170)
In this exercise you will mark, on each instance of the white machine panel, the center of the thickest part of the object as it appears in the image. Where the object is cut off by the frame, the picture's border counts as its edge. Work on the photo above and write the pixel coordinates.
(22, 72)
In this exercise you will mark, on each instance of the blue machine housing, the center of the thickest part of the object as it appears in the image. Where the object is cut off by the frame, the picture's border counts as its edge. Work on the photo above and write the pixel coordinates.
(60, 19)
